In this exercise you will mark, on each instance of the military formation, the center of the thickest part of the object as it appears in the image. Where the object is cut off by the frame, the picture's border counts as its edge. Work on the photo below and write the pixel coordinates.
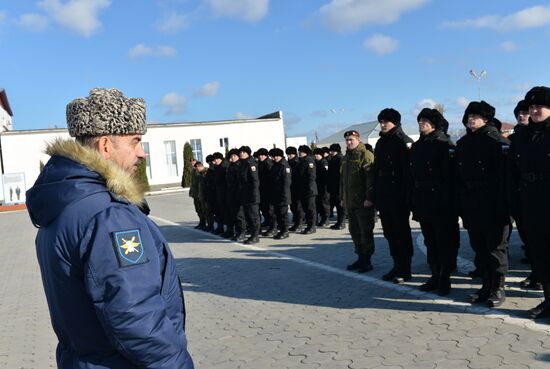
(485, 179)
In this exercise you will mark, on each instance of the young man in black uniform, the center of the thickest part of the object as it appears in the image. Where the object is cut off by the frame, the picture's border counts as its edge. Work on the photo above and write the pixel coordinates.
(307, 187)
(280, 178)
(266, 209)
(295, 204)
(321, 178)
(521, 112)
(210, 194)
(249, 193)
(433, 198)
(391, 187)
(529, 161)
(220, 169)
(333, 186)
(236, 224)
(481, 159)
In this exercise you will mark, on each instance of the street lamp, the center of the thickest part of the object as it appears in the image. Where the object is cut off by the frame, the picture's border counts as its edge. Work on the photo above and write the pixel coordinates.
(337, 112)
(478, 78)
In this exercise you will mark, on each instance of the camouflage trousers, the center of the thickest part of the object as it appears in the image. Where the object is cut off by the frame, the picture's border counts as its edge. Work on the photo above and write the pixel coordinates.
(361, 228)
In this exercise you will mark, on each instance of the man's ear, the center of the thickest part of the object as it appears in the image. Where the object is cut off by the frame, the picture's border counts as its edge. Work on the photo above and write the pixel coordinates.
(105, 146)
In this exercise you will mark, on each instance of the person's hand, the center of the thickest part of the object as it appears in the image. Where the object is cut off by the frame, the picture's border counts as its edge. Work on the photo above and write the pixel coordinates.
(367, 204)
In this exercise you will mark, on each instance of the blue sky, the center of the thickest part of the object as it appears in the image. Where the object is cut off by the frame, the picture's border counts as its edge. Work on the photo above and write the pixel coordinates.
(325, 63)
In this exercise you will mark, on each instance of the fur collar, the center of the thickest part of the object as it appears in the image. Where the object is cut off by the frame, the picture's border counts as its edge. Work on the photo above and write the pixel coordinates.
(117, 180)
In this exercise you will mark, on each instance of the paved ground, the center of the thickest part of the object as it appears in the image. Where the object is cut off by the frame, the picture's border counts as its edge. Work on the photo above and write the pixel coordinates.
(291, 304)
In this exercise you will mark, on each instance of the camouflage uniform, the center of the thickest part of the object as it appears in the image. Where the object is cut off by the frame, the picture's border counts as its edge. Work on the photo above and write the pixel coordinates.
(356, 186)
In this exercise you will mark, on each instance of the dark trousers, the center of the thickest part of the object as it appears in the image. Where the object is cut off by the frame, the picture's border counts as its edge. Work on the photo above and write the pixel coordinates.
(361, 226)
(267, 212)
(442, 240)
(252, 216)
(491, 248)
(308, 204)
(322, 204)
(235, 218)
(539, 242)
(281, 213)
(297, 211)
(335, 201)
(397, 232)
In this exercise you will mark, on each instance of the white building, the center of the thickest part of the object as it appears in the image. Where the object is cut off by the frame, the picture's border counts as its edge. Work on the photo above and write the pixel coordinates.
(23, 151)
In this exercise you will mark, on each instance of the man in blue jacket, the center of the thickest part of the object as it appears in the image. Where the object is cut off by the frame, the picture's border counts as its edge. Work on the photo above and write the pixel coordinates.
(111, 283)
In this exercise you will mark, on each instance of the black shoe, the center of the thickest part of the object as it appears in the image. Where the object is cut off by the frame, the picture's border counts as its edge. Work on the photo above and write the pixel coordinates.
(480, 295)
(218, 231)
(338, 226)
(269, 233)
(322, 223)
(281, 235)
(542, 310)
(252, 240)
(431, 284)
(295, 228)
(400, 279)
(198, 226)
(356, 264)
(365, 267)
(308, 230)
(496, 298)
(530, 283)
(239, 237)
(390, 275)
(444, 288)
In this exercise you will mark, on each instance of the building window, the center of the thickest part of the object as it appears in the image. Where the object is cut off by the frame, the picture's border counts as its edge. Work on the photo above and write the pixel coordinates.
(147, 159)
(224, 142)
(171, 162)
(197, 149)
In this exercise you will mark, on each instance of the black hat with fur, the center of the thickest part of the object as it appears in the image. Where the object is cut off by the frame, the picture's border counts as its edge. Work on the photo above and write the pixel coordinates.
(390, 115)
(304, 149)
(245, 149)
(521, 106)
(539, 95)
(276, 152)
(481, 108)
(291, 150)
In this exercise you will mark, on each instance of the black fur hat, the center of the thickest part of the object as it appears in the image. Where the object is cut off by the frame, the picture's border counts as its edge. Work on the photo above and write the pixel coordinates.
(428, 114)
(390, 115)
(217, 155)
(539, 95)
(262, 151)
(318, 151)
(521, 106)
(480, 108)
(209, 158)
(442, 123)
(291, 150)
(245, 149)
(233, 152)
(305, 148)
(276, 152)
(335, 147)
(326, 150)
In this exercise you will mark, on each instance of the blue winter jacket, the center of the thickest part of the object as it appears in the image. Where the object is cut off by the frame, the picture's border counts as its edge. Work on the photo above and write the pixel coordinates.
(112, 288)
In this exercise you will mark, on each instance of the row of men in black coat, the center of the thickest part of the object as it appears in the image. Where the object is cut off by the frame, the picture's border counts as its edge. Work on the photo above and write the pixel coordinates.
(241, 188)
(485, 179)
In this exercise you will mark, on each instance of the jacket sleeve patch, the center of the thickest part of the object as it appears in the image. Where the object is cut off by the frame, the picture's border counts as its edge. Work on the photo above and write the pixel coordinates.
(287, 170)
(253, 168)
(128, 248)
(311, 165)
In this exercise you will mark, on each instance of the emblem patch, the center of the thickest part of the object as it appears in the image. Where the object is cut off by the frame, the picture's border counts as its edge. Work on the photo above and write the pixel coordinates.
(326, 167)
(311, 165)
(128, 248)
(253, 168)
(287, 170)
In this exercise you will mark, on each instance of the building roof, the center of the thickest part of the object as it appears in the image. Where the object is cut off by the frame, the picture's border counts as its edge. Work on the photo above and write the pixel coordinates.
(4, 102)
(366, 130)
(273, 116)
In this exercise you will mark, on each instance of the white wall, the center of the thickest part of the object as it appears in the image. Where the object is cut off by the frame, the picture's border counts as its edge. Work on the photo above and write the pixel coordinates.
(296, 141)
(22, 151)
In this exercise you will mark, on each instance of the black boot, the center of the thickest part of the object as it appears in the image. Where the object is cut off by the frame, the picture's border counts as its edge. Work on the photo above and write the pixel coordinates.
(309, 230)
(433, 282)
(497, 296)
(295, 227)
(323, 222)
(229, 233)
(483, 293)
(391, 274)
(239, 237)
(366, 265)
(281, 235)
(202, 225)
(542, 310)
(530, 283)
(357, 264)
(403, 274)
(219, 229)
(252, 240)
(444, 287)
(270, 232)
(338, 225)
